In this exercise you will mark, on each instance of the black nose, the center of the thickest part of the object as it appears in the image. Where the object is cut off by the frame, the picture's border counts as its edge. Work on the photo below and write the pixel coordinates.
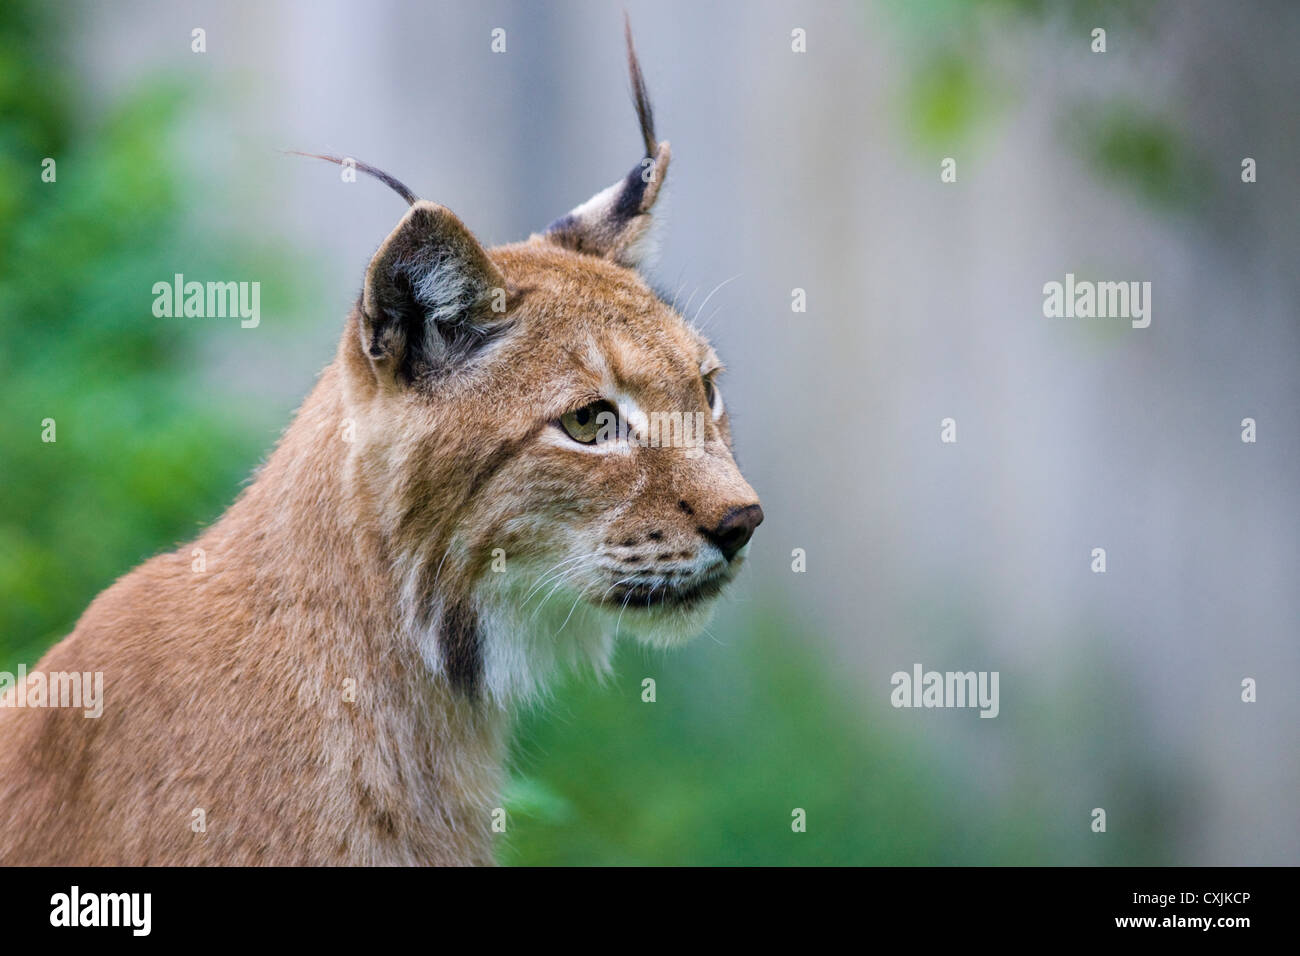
(735, 529)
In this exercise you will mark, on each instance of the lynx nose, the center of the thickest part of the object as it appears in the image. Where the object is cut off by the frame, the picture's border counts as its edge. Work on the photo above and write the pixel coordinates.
(735, 529)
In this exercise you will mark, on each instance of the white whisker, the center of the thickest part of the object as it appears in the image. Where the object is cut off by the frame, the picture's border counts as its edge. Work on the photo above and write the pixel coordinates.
(714, 292)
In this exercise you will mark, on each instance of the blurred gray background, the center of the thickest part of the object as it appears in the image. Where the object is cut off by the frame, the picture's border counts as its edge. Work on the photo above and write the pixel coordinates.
(821, 171)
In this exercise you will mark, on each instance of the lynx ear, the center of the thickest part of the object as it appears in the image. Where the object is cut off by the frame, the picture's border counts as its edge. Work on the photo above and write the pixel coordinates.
(432, 295)
(615, 223)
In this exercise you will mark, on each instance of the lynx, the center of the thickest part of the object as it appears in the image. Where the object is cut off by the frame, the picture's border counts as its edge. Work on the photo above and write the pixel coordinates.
(442, 529)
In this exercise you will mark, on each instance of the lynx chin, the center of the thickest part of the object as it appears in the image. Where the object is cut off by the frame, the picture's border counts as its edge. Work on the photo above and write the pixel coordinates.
(443, 528)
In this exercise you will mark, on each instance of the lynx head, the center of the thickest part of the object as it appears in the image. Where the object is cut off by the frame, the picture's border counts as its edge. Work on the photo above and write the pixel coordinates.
(542, 440)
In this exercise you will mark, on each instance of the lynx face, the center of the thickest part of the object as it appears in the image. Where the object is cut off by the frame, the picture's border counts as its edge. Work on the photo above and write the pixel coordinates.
(543, 439)
(616, 505)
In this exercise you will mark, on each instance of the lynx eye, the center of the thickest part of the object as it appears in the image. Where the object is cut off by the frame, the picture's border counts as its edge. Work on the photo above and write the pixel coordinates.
(584, 424)
(713, 396)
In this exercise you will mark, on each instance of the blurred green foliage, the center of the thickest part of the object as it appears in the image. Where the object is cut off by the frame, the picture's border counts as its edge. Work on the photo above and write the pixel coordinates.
(957, 89)
(947, 99)
(739, 735)
(748, 727)
(1143, 153)
(142, 454)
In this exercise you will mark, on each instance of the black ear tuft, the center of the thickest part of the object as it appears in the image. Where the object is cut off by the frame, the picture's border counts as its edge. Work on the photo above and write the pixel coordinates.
(391, 182)
(645, 113)
(615, 223)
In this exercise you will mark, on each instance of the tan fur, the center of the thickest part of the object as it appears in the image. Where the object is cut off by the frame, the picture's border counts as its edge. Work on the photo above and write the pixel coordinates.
(344, 561)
